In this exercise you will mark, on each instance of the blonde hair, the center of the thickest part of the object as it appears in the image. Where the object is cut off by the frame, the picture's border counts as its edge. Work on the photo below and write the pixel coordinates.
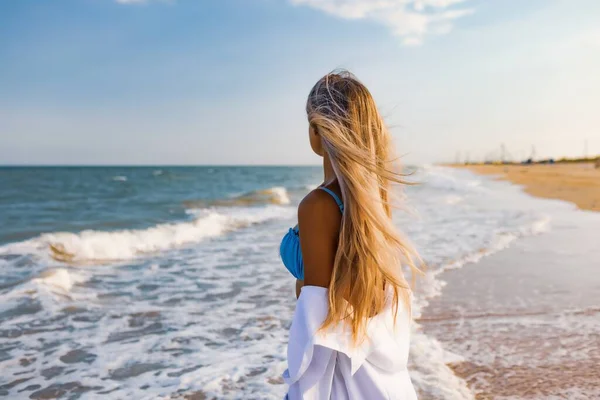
(370, 248)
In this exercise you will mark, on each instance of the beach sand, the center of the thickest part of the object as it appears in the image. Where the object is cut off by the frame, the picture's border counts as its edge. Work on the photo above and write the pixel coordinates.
(526, 320)
(578, 183)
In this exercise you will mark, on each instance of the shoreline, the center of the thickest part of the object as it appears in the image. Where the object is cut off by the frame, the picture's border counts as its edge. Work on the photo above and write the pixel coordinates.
(528, 327)
(578, 183)
(522, 322)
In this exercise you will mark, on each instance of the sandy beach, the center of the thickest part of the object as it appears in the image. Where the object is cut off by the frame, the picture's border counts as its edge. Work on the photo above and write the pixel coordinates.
(524, 321)
(578, 183)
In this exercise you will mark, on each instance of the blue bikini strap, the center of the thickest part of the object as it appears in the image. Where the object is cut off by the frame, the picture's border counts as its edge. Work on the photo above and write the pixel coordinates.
(335, 197)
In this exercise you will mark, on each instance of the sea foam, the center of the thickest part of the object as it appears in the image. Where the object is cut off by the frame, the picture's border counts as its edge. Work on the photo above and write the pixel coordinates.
(59, 279)
(99, 246)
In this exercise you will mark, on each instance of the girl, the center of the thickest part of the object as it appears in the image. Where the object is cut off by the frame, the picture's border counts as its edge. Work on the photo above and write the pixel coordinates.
(349, 337)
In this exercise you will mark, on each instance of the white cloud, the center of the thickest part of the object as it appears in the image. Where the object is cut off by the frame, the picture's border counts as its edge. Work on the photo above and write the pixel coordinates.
(410, 20)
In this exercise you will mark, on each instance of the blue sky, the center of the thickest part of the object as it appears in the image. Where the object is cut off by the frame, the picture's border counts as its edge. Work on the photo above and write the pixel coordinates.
(225, 81)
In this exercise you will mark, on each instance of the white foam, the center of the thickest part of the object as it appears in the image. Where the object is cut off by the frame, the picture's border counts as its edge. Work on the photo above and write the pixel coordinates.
(453, 199)
(58, 279)
(500, 242)
(120, 178)
(448, 179)
(430, 372)
(93, 245)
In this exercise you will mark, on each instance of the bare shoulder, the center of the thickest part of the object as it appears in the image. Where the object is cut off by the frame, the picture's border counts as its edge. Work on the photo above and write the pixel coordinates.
(319, 208)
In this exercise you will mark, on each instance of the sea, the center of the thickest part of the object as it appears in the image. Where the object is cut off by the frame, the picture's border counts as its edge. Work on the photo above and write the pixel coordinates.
(166, 282)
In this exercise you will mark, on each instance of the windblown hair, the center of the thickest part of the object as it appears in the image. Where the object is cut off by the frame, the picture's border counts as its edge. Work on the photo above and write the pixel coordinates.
(370, 249)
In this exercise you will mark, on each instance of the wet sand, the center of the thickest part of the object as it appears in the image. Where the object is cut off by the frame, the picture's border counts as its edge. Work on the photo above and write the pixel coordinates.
(578, 183)
(526, 320)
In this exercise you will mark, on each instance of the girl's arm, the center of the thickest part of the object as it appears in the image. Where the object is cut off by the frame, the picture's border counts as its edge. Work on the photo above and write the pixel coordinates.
(299, 285)
(319, 221)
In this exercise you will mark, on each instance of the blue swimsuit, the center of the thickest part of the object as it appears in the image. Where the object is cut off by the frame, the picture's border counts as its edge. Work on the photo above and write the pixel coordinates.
(290, 251)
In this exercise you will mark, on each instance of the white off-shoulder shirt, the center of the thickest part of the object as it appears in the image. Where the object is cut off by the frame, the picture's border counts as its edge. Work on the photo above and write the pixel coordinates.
(326, 365)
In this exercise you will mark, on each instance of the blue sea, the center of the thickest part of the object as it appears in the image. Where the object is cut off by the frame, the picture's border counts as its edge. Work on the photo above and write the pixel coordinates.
(166, 283)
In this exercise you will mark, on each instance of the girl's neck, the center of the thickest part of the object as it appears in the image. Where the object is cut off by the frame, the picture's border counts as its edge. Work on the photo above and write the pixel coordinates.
(328, 172)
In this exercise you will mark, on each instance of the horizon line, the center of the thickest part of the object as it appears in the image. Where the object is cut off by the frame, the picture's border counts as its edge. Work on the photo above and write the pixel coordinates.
(150, 165)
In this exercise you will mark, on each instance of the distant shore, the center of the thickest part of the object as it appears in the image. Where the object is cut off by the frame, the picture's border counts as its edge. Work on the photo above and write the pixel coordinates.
(578, 183)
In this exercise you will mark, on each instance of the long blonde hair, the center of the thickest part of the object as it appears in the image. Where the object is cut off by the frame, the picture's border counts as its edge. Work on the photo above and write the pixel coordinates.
(370, 248)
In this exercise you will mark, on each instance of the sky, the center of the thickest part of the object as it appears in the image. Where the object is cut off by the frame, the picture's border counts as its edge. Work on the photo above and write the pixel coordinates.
(225, 81)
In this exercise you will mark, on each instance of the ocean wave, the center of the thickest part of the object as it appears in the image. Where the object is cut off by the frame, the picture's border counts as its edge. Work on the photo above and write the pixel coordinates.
(60, 279)
(119, 178)
(453, 199)
(276, 195)
(502, 241)
(431, 370)
(433, 285)
(446, 179)
(102, 246)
